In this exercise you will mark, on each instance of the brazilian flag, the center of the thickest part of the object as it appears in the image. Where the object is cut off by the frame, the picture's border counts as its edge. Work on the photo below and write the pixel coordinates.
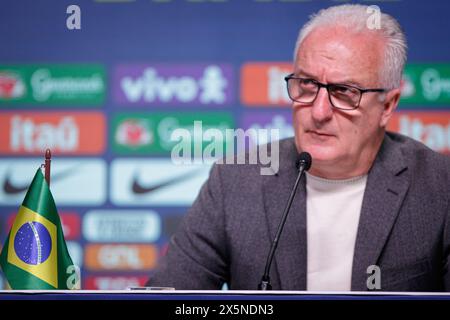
(34, 255)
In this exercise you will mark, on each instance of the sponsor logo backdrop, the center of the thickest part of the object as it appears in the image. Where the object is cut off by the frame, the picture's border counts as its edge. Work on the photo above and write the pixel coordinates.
(107, 97)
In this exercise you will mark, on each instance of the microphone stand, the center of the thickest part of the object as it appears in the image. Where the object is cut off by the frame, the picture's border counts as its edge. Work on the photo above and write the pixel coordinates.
(304, 165)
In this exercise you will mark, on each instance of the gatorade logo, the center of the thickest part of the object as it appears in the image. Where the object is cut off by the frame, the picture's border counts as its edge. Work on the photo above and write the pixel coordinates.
(61, 84)
(426, 84)
(430, 128)
(262, 84)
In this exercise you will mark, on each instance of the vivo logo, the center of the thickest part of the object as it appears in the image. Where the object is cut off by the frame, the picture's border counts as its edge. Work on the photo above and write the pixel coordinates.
(177, 84)
(268, 121)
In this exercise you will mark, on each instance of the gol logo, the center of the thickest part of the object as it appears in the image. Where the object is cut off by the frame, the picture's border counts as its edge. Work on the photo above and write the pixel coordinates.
(120, 257)
(262, 83)
(431, 128)
(62, 132)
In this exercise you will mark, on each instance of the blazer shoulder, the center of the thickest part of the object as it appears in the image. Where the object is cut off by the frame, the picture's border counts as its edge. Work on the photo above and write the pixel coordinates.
(252, 162)
(420, 158)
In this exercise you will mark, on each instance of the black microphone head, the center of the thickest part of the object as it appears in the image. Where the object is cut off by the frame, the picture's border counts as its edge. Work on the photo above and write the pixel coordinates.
(304, 160)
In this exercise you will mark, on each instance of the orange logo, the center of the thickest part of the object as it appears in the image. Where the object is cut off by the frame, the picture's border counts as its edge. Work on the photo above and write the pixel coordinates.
(26, 133)
(120, 256)
(262, 84)
(431, 128)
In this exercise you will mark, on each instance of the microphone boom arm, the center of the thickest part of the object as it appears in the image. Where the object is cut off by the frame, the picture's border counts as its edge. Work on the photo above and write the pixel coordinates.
(265, 280)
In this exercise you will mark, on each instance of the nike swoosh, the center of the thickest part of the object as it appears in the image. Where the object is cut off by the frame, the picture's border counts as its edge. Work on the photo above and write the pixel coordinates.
(10, 188)
(137, 188)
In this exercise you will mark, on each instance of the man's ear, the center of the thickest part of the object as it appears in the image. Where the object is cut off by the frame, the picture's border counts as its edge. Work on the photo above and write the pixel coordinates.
(390, 104)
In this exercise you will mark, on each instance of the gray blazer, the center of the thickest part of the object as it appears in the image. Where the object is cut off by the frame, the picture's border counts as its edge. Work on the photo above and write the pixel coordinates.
(404, 225)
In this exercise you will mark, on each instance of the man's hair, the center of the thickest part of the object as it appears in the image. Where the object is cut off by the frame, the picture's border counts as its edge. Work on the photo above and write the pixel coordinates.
(354, 18)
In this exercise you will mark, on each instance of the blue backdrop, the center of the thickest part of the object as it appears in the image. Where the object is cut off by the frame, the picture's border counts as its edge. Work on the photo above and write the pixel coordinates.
(105, 98)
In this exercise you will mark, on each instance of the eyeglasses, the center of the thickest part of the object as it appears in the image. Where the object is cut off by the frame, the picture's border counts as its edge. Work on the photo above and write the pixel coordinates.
(341, 96)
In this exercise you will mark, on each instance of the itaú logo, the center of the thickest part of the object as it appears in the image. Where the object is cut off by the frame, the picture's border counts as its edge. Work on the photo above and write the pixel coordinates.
(262, 84)
(62, 132)
(431, 128)
(27, 135)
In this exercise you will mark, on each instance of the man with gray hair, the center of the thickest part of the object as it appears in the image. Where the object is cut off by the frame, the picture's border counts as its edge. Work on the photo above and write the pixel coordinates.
(373, 212)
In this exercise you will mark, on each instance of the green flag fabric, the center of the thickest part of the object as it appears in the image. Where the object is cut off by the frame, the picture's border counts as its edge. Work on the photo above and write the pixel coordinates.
(35, 255)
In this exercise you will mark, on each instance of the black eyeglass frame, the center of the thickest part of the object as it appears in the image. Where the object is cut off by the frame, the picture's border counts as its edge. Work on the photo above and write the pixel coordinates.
(327, 86)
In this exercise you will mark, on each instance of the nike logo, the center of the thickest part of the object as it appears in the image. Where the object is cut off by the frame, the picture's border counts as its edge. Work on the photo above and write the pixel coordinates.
(137, 188)
(11, 189)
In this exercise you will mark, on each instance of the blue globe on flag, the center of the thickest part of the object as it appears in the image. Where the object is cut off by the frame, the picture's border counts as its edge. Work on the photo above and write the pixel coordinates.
(33, 243)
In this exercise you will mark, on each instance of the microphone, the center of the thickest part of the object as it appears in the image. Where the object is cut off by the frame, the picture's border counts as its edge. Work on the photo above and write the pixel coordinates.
(304, 163)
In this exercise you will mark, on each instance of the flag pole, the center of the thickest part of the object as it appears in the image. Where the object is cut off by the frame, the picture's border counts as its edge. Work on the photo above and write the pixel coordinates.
(48, 157)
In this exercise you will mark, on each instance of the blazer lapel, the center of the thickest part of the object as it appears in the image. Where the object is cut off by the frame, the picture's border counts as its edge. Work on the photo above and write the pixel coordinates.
(386, 188)
(290, 258)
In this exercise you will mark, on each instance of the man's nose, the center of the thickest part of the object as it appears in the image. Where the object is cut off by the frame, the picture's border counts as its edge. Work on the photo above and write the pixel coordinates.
(322, 110)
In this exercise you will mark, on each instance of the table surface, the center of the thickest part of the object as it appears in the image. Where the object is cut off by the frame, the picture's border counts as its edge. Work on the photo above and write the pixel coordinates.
(156, 294)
